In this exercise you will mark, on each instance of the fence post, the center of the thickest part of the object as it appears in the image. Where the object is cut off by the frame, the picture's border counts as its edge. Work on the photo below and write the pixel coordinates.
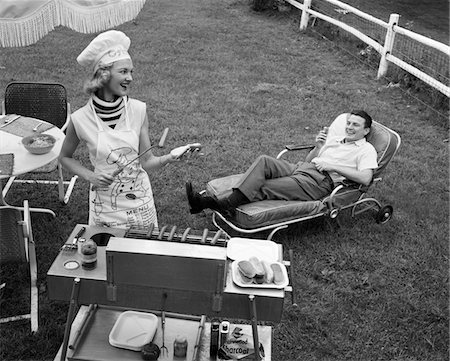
(305, 15)
(388, 44)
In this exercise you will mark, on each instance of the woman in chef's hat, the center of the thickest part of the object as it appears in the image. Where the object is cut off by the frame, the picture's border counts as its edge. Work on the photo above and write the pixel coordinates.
(115, 129)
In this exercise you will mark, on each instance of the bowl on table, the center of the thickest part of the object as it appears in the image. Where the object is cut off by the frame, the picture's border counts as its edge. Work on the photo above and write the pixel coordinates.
(39, 143)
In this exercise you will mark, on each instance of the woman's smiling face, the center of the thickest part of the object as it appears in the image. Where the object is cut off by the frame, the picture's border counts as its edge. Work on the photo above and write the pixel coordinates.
(120, 80)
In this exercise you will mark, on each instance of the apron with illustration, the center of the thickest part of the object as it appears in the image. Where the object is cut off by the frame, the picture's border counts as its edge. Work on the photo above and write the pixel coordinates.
(128, 201)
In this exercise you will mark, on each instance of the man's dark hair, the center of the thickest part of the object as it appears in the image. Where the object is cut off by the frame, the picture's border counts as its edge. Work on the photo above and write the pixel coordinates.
(367, 118)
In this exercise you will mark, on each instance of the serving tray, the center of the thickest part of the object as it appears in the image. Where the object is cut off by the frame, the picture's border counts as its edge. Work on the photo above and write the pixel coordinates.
(133, 330)
(238, 248)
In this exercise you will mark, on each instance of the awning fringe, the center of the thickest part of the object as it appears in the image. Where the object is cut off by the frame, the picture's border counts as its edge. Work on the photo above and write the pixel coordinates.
(94, 19)
(31, 28)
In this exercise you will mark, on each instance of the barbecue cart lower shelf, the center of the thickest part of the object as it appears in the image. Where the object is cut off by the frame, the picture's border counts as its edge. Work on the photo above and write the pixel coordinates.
(89, 337)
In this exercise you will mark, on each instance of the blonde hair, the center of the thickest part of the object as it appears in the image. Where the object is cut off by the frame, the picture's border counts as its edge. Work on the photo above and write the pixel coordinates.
(99, 79)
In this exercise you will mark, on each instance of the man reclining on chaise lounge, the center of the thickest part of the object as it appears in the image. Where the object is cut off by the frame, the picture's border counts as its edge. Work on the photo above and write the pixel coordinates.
(333, 159)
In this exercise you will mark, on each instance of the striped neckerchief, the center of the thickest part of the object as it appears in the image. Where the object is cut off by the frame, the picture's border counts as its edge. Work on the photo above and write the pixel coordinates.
(109, 112)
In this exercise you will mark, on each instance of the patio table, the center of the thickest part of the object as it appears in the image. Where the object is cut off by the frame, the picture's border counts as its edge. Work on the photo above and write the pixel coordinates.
(14, 158)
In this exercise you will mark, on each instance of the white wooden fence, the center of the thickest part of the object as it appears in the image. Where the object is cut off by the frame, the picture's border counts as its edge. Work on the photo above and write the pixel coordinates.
(385, 50)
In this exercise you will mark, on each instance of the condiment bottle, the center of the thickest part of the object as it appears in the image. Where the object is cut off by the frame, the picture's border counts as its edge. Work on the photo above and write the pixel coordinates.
(214, 339)
(224, 329)
(80, 243)
(180, 346)
(89, 254)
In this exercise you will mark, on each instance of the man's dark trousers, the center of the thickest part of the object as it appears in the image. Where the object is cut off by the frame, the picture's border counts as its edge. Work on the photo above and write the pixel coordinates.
(271, 178)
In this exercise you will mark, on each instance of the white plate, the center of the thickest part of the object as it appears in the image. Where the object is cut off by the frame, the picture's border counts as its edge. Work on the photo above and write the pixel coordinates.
(241, 248)
(133, 330)
(236, 277)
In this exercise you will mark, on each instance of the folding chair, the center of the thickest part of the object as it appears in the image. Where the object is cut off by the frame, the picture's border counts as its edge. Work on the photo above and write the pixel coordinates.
(48, 102)
(17, 245)
(274, 215)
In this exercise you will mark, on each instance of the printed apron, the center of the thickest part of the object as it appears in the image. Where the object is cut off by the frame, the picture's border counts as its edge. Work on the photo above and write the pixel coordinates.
(128, 201)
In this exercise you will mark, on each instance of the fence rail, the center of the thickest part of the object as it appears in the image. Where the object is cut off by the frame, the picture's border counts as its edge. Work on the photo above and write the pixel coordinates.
(386, 48)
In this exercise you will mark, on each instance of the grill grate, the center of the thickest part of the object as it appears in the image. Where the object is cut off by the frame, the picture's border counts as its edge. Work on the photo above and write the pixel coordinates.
(173, 234)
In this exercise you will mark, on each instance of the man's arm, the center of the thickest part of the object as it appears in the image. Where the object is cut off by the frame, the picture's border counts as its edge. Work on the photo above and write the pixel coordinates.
(320, 142)
(359, 176)
(312, 154)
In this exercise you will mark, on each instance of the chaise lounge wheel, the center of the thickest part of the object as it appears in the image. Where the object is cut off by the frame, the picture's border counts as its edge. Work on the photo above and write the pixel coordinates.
(334, 213)
(384, 214)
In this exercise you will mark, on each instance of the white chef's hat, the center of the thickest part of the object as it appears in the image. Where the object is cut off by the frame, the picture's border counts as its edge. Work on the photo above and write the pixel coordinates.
(106, 48)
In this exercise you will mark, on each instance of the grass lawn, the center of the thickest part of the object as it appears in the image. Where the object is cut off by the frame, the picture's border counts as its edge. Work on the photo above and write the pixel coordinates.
(243, 84)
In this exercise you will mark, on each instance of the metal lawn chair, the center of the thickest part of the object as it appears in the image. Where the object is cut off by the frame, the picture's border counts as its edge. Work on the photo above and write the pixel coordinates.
(48, 102)
(17, 245)
(274, 215)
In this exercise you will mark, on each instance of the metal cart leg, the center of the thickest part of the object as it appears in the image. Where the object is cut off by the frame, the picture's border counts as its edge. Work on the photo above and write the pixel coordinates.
(254, 321)
(70, 316)
(291, 276)
(199, 335)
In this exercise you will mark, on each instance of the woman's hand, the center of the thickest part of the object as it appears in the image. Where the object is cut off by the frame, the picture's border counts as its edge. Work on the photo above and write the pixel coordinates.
(184, 152)
(100, 179)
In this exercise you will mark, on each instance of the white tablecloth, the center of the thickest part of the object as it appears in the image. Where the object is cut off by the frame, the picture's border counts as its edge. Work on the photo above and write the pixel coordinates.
(24, 161)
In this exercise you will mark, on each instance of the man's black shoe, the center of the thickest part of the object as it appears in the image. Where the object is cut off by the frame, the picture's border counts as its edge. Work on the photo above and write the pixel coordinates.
(198, 202)
(194, 200)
